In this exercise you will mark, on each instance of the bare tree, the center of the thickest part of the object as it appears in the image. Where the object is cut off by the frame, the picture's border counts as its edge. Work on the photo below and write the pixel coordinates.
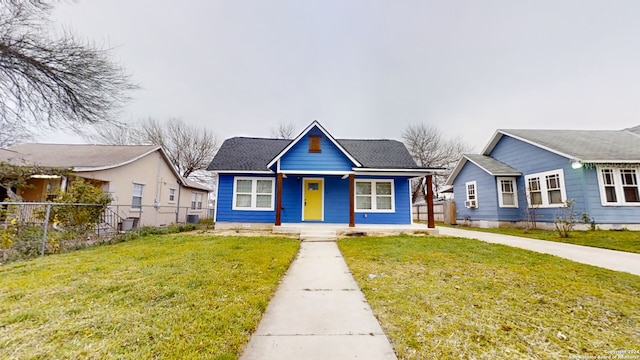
(189, 148)
(58, 82)
(116, 133)
(13, 133)
(283, 131)
(431, 149)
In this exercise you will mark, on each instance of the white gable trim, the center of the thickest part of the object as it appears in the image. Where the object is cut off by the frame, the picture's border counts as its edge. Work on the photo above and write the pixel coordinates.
(112, 166)
(463, 160)
(498, 135)
(517, 173)
(315, 123)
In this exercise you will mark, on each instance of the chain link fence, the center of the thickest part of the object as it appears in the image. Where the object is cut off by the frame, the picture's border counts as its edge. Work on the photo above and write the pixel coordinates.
(29, 229)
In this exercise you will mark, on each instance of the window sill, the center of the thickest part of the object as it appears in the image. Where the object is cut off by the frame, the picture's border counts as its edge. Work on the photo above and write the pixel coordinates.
(546, 206)
(252, 209)
(636, 204)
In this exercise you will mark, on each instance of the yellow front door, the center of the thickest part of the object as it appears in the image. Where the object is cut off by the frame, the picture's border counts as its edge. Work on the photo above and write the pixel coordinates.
(312, 199)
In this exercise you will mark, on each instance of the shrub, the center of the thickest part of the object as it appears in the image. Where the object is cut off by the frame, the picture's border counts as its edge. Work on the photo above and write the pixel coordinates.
(80, 218)
(566, 219)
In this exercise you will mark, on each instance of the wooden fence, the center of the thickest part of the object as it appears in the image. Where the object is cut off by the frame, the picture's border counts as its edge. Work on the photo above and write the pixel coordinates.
(443, 211)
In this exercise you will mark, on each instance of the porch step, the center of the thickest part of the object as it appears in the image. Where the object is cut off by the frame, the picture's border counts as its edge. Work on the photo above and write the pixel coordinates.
(318, 235)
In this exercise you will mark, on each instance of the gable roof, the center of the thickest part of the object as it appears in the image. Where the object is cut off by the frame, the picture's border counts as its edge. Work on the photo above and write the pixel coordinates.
(588, 146)
(315, 124)
(634, 130)
(486, 163)
(196, 185)
(247, 154)
(385, 154)
(254, 154)
(259, 155)
(85, 157)
(79, 157)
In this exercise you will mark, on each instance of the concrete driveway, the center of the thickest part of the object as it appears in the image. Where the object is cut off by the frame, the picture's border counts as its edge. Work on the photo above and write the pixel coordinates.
(608, 259)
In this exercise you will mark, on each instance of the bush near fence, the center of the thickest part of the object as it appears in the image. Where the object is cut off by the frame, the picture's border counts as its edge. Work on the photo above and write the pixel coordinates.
(25, 232)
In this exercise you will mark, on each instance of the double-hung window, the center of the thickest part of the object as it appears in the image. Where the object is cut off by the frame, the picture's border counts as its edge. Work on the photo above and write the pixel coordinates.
(374, 195)
(619, 186)
(471, 189)
(172, 195)
(507, 193)
(196, 201)
(546, 189)
(136, 199)
(253, 193)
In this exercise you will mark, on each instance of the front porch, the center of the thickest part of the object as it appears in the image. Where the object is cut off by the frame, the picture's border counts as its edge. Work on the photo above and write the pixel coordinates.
(327, 232)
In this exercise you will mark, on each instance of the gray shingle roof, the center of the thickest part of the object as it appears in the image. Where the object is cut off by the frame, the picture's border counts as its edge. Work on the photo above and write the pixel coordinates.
(73, 156)
(253, 154)
(247, 154)
(635, 130)
(385, 154)
(492, 166)
(586, 145)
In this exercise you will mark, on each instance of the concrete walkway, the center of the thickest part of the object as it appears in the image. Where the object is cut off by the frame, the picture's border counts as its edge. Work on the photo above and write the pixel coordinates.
(318, 312)
(608, 259)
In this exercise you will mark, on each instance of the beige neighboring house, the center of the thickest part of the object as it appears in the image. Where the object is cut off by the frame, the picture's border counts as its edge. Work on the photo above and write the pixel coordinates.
(145, 186)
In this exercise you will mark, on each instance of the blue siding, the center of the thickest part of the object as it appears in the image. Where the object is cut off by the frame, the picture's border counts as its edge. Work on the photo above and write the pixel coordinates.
(224, 204)
(486, 193)
(299, 157)
(606, 214)
(336, 202)
(402, 214)
(581, 185)
(511, 214)
(531, 159)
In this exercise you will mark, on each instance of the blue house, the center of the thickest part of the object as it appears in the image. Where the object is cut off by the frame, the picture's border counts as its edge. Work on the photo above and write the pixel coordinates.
(313, 178)
(528, 175)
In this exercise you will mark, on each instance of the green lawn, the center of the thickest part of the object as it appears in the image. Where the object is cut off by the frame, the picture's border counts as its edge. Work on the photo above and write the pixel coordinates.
(166, 296)
(628, 241)
(445, 297)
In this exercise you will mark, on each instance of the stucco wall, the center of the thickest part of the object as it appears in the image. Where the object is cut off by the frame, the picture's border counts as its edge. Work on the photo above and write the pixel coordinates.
(157, 178)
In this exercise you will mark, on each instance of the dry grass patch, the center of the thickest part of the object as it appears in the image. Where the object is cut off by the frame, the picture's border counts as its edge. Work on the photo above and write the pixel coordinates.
(168, 296)
(443, 297)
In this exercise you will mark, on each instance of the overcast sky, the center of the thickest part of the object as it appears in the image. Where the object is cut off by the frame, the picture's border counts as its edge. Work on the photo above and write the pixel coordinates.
(368, 69)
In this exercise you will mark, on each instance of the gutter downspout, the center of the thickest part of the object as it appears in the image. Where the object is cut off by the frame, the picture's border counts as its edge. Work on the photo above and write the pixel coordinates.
(178, 202)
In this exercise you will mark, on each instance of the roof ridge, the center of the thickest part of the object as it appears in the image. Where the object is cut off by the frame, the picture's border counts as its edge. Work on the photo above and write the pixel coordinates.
(259, 138)
(54, 144)
(370, 140)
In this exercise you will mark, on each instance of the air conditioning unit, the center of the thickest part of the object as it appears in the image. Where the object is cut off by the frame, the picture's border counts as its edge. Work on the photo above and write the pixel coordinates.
(470, 204)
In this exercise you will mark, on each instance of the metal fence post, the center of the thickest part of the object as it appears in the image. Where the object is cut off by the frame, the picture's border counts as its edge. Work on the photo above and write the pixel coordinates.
(46, 227)
(139, 219)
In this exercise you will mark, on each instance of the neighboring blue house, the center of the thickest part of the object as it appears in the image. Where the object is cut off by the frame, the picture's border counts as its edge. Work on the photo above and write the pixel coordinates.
(527, 174)
(313, 178)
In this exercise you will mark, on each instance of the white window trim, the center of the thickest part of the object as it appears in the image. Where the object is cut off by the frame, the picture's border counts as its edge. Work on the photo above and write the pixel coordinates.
(175, 192)
(466, 191)
(544, 190)
(475, 187)
(254, 184)
(134, 195)
(515, 191)
(617, 185)
(373, 196)
(195, 204)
